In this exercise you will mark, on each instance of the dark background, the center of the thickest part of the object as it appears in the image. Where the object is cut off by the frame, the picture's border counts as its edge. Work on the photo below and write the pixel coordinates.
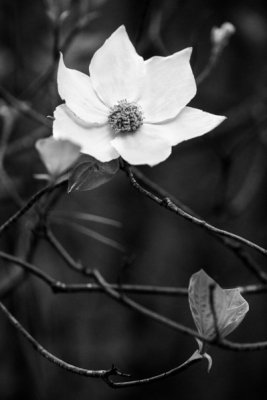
(222, 176)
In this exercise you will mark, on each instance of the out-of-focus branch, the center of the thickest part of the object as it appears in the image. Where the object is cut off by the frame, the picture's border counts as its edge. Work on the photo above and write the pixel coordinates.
(219, 39)
(60, 250)
(42, 80)
(8, 116)
(31, 202)
(105, 375)
(23, 108)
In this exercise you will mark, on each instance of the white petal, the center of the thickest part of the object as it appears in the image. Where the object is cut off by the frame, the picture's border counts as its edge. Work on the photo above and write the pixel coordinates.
(169, 86)
(117, 70)
(76, 89)
(93, 140)
(141, 147)
(189, 123)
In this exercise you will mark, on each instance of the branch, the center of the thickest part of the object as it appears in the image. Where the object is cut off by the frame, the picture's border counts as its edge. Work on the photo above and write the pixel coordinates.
(31, 202)
(61, 251)
(155, 378)
(60, 287)
(24, 108)
(53, 359)
(235, 247)
(42, 79)
(171, 206)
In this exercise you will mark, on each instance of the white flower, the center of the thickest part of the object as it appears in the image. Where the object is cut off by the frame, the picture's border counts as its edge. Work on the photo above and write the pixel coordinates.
(129, 107)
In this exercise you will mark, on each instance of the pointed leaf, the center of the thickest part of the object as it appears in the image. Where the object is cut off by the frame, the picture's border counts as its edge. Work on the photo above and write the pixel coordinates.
(86, 217)
(57, 155)
(198, 355)
(90, 175)
(209, 359)
(230, 307)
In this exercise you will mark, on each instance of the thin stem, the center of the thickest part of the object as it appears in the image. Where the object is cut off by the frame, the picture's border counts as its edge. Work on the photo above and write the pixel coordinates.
(155, 378)
(46, 354)
(171, 206)
(60, 287)
(24, 108)
(31, 202)
(237, 249)
(61, 251)
(256, 346)
(106, 375)
(29, 268)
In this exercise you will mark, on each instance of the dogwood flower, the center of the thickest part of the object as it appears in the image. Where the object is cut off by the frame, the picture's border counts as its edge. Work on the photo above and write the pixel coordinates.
(129, 107)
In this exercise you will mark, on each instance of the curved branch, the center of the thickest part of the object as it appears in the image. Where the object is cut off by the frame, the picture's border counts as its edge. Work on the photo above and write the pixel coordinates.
(31, 202)
(49, 356)
(235, 247)
(155, 378)
(60, 287)
(171, 206)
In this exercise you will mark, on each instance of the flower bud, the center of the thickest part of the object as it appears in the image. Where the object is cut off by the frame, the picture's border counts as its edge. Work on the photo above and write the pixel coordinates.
(220, 35)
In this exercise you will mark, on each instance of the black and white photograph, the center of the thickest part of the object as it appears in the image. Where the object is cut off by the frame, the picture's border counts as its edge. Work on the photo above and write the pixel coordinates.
(133, 199)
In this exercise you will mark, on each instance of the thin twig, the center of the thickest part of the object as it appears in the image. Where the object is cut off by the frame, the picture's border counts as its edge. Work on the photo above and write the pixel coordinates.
(49, 356)
(24, 108)
(155, 378)
(167, 203)
(42, 79)
(237, 249)
(31, 202)
(61, 251)
(60, 287)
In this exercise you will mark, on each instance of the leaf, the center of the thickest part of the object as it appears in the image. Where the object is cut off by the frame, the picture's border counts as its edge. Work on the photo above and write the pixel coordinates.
(57, 155)
(230, 307)
(91, 233)
(91, 174)
(86, 217)
(197, 355)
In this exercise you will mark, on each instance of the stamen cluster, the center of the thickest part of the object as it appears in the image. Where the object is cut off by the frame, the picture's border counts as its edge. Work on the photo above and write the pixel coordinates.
(125, 117)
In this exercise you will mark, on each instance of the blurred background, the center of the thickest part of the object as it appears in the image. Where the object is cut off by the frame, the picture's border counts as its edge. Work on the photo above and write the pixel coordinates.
(221, 176)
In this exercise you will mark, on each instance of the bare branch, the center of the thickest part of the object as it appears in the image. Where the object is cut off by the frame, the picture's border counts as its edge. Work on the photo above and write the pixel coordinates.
(171, 206)
(237, 249)
(24, 108)
(155, 378)
(49, 356)
(31, 202)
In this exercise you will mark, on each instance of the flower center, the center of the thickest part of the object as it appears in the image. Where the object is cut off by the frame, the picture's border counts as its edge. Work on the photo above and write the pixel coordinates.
(125, 117)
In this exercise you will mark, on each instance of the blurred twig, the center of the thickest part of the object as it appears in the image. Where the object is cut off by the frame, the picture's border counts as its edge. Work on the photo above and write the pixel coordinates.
(23, 108)
(155, 378)
(42, 79)
(8, 120)
(219, 39)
